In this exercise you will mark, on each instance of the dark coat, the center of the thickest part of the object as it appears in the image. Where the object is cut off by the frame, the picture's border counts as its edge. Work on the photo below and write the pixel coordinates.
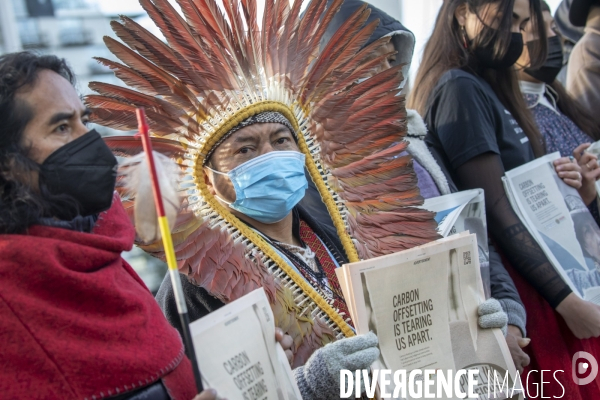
(403, 39)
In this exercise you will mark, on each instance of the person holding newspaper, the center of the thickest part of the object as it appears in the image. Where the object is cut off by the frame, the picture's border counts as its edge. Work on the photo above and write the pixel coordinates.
(562, 121)
(239, 114)
(565, 125)
(432, 178)
(467, 89)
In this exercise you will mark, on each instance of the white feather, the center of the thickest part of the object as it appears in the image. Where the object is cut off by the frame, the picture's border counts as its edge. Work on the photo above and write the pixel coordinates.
(138, 183)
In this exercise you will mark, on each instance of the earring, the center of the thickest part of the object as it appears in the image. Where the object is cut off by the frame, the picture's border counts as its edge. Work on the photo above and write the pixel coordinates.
(464, 36)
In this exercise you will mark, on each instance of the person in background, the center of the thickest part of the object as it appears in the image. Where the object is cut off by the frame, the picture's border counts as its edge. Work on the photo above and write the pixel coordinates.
(563, 122)
(566, 126)
(433, 178)
(569, 36)
(478, 122)
(583, 74)
(242, 225)
(75, 319)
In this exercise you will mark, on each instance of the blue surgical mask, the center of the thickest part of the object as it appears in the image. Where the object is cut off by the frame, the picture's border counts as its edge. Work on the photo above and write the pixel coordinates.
(269, 186)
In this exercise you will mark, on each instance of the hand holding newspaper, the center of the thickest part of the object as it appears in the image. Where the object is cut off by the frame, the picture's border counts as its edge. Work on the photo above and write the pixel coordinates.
(237, 352)
(427, 319)
(560, 222)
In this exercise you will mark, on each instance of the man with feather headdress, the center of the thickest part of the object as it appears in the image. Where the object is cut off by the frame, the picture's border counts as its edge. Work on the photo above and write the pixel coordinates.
(245, 110)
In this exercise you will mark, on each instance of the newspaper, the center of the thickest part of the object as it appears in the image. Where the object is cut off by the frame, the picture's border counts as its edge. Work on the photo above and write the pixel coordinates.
(428, 318)
(237, 352)
(560, 222)
(464, 212)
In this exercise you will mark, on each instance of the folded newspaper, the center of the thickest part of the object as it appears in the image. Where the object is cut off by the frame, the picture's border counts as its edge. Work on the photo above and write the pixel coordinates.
(560, 222)
(238, 355)
(464, 212)
(427, 319)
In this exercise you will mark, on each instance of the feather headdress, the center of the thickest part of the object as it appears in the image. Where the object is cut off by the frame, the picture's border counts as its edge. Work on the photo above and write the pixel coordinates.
(219, 68)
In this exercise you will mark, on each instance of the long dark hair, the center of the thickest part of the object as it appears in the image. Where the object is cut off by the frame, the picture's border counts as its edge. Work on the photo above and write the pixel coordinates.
(20, 204)
(446, 50)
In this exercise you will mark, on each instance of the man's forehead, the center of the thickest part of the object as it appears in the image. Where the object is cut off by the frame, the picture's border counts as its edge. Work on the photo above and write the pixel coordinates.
(51, 93)
(257, 131)
(387, 48)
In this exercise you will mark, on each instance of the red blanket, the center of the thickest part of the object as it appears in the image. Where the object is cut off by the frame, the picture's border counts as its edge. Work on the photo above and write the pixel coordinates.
(77, 322)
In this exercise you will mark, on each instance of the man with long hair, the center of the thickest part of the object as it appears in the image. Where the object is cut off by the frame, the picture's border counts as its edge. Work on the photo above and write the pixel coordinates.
(76, 320)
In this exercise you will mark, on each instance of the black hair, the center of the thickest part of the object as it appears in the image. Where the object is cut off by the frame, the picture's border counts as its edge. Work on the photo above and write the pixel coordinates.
(22, 205)
(447, 49)
(545, 6)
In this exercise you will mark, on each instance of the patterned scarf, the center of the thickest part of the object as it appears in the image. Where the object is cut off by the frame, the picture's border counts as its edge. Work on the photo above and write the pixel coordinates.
(308, 236)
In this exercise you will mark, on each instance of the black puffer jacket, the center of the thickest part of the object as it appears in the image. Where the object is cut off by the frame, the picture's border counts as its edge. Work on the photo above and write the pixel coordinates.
(402, 38)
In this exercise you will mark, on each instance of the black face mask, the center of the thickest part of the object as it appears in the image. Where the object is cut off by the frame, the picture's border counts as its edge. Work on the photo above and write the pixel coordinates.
(548, 72)
(84, 169)
(485, 54)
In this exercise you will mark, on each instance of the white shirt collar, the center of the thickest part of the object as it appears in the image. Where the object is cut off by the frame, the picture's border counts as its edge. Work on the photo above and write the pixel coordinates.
(533, 88)
(540, 90)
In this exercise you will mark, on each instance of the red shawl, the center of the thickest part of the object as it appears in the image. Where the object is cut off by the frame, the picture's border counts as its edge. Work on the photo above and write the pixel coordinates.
(76, 322)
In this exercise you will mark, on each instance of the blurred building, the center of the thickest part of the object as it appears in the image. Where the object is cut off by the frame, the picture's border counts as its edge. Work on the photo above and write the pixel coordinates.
(73, 30)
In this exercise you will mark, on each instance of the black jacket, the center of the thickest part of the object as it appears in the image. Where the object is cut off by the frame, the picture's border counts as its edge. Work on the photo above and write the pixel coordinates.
(200, 302)
(402, 39)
